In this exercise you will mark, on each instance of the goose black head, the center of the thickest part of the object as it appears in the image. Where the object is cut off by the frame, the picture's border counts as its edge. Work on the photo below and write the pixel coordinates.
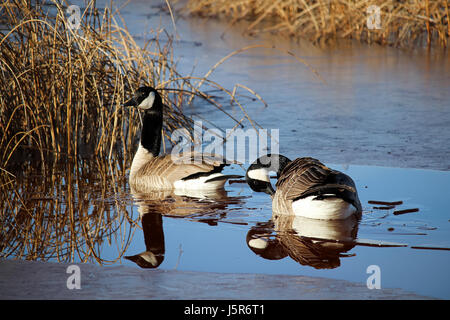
(145, 98)
(147, 259)
(263, 242)
(149, 100)
(257, 175)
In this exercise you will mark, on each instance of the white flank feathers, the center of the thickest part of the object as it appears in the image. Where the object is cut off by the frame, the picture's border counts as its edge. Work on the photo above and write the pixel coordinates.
(326, 209)
(200, 183)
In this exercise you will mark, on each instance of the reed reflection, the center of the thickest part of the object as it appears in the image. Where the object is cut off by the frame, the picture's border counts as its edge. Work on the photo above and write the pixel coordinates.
(310, 242)
(202, 206)
(69, 211)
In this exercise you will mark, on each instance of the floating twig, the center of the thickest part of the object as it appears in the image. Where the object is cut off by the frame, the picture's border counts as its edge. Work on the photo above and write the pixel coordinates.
(429, 248)
(405, 211)
(378, 243)
(386, 203)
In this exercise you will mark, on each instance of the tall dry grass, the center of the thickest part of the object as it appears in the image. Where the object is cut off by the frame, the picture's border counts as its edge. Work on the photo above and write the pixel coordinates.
(404, 23)
(61, 89)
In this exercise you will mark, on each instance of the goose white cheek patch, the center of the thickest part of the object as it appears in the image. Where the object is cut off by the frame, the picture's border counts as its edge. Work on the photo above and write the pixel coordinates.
(259, 174)
(147, 103)
(258, 243)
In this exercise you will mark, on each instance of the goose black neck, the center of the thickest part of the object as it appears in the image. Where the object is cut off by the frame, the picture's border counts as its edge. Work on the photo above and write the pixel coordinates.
(282, 163)
(152, 226)
(151, 131)
(269, 162)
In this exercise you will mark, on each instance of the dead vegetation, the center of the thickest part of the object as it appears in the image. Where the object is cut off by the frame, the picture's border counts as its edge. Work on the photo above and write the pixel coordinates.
(404, 23)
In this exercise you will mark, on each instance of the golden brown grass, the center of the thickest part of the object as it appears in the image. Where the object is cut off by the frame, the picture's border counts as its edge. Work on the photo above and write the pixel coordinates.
(403, 23)
(61, 89)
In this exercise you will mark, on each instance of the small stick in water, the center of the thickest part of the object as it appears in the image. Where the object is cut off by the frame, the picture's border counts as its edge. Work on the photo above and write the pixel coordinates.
(429, 248)
(405, 211)
(385, 203)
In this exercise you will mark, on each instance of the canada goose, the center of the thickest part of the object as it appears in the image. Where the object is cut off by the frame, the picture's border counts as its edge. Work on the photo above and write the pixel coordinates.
(305, 187)
(149, 171)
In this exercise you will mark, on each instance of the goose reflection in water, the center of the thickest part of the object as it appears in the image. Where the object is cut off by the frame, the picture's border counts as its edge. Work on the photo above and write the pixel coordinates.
(311, 242)
(153, 255)
(201, 206)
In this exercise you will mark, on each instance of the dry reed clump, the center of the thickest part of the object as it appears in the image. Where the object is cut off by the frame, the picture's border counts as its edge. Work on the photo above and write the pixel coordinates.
(61, 88)
(402, 23)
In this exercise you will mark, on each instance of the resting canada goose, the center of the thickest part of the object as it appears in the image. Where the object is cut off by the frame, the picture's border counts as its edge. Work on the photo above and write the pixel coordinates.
(305, 187)
(150, 172)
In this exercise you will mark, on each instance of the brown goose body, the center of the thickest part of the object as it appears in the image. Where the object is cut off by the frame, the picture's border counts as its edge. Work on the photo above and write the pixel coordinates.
(306, 187)
(305, 178)
(192, 171)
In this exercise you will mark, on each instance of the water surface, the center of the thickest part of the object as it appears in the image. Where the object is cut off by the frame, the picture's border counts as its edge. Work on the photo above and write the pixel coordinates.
(216, 240)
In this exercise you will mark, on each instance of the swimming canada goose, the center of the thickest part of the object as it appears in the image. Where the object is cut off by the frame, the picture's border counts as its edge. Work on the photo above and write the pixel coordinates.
(150, 171)
(305, 187)
(185, 203)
